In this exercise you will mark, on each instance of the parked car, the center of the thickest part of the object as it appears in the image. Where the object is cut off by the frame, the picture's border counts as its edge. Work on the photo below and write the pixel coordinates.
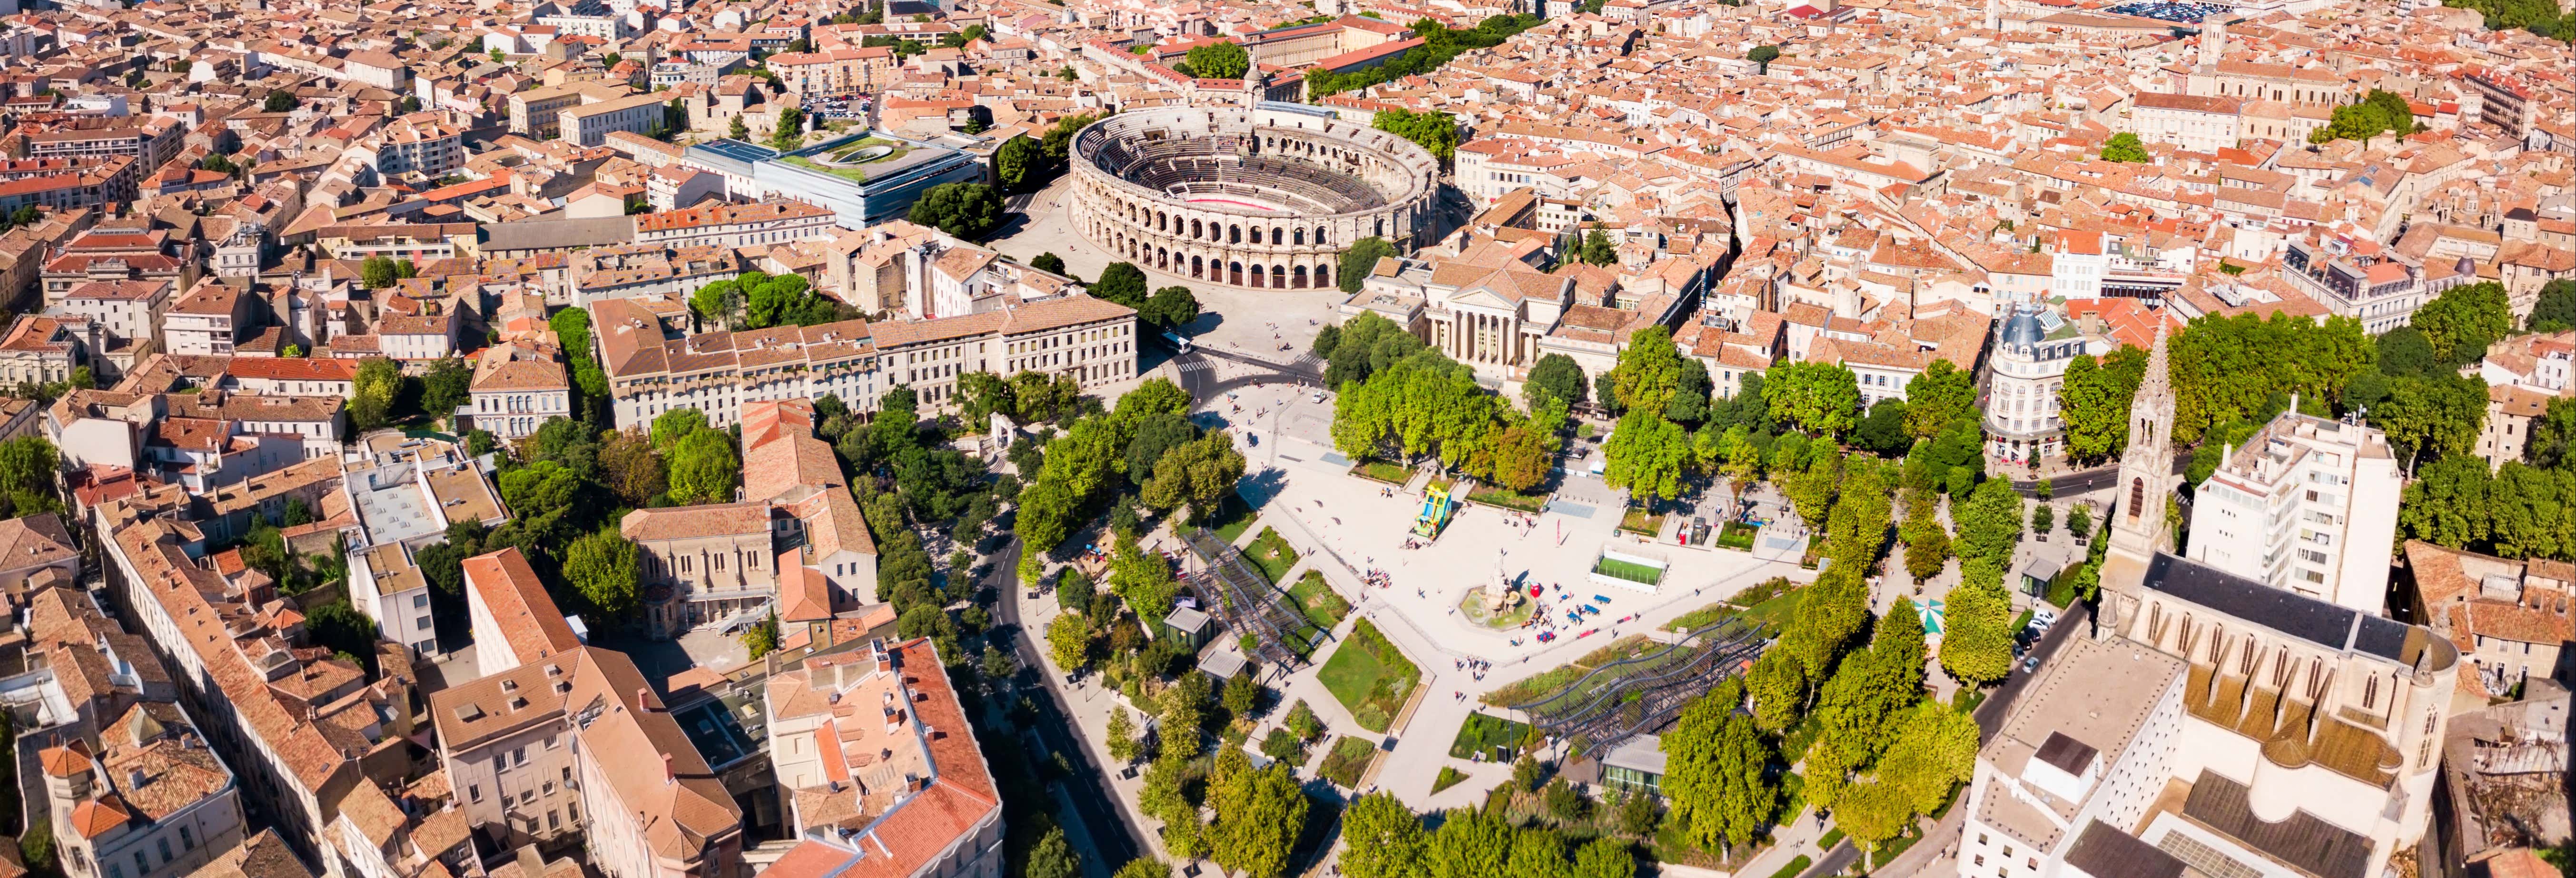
(2030, 664)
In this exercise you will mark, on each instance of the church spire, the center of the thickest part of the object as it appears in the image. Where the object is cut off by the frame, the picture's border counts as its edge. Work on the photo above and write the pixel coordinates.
(2146, 465)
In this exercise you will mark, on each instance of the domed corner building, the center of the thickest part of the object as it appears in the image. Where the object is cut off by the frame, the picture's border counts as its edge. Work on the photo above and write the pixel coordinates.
(1260, 197)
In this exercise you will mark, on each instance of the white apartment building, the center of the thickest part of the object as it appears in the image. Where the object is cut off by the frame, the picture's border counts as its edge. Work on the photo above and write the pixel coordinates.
(2028, 366)
(420, 144)
(513, 397)
(386, 584)
(209, 320)
(2088, 748)
(2310, 505)
(2195, 123)
(514, 621)
(128, 309)
(590, 124)
(652, 369)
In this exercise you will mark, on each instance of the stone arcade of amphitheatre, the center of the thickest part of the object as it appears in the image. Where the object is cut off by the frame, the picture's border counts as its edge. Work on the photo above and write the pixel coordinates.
(1266, 197)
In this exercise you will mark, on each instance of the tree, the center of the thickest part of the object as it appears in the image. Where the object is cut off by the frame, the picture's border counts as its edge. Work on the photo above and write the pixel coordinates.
(1052, 857)
(1468, 844)
(446, 388)
(1069, 642)
(1821, 398)
(28, 468)
(1383, 838)
(1241, 694)
(1976, 646)
(1258, 814)
(964, 209)
(704, 468)
(1647, 455)
(377, 272)
(1649, 370)
(1777, 683)
(372, 393)
(1715, 776)
(1199, 473)
(1360, 261)
(1927, 545)
(1171, 308)
(2555, 310)
(1991, 523)
(36, 847)
(1606, 858)
(1597, 248)
(1123, 283)
(1883, 432)
(2124, 147)
(1143, 580)
(1122, 736)
(1763, 55)
(761, 639)
(2043, 519)
(2552, 434)
(1521, 458)
(1433, 130)
(1218, 61)
(2462, 321)
(1048, 262)
(282, 101)
(1556, 376)
(2437, 416)
(1143, 867)
(2094, 402)
(602, 566)
(737, 129)
(2405, 351)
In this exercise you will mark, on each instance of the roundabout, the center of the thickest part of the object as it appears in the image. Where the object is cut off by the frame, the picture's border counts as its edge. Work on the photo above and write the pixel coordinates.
(1260, 198)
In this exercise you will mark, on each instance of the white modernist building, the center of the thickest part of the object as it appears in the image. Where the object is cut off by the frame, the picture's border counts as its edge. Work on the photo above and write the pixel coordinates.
(2309, 504)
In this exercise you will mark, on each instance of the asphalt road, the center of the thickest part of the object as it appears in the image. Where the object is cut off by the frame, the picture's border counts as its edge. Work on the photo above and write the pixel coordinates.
(1834, 862)
(1198, 375)
(2091, 479)
(1113, 840)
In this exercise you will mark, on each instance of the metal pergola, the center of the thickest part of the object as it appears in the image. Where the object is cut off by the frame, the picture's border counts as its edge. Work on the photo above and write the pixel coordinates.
(1242, 598)
(1661, 683)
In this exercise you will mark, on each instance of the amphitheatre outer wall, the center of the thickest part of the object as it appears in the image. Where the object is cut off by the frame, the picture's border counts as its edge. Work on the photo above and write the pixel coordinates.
(1256, 198)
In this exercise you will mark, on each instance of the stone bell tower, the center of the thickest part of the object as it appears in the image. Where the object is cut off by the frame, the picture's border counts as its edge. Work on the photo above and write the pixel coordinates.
(2143, 491)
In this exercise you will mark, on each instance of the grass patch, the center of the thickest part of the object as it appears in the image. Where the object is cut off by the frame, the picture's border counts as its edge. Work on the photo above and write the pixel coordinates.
(1509, 499)
(1550, 682)
(1641, 521)
(1897, 846)
(1795, 867)
(1449, 777)
(1379, 470)
(2022, 621)
(1349, 759)
(1271, 553)
(1737, 535)
(1232, 519)
(1774, 600)
(1495, 738)
(1370, 677)
(1323, 606)
(1968, 699)
(1830, 838)
(1628, 570)
(853, 175)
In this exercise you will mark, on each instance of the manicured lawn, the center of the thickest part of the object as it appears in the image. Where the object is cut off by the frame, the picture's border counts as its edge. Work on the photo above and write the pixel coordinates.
(1509, 499)
(1449, 777)
(1370, 677)
(1794, 868)
(1628, 570)
(1737, 535)
(1498, 739)
(1639, 520)
(1270, 551)
(1778, 600)
(1382, 471)
(1323, 606)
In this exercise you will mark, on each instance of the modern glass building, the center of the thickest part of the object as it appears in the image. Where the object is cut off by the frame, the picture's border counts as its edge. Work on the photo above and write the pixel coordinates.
(864, 178)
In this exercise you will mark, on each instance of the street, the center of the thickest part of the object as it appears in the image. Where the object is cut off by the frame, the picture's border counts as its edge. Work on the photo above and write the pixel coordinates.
(1109, 841)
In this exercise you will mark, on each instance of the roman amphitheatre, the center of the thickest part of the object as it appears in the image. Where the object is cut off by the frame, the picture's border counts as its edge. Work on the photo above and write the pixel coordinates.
(1263, 198)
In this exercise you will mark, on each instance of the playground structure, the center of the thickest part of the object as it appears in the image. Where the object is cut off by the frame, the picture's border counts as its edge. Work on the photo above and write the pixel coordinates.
(1625, 698)
(1438, 505)
(1247, 603)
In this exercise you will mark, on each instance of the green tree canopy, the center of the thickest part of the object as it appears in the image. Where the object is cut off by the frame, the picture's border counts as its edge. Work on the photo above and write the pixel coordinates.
(965, 209)
(1123, 283)
(2124, 147)
(1556, 376)
(1361, 259)
(1225, 60)
(1433, 130)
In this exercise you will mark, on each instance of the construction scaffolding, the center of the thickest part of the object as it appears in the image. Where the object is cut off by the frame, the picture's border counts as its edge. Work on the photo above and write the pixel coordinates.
(1247, 603)
(1626, 698)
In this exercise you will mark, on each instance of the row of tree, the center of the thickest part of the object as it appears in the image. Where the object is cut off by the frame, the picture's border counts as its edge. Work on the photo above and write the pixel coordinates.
(1400, 400)
(1439, 45)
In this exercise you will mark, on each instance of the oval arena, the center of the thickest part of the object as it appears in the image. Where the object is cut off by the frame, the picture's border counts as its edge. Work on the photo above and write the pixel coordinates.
(1259, 198)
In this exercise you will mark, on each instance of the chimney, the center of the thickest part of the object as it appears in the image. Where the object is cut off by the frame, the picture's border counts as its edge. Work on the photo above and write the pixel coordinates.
(645, 700)
(669, 774)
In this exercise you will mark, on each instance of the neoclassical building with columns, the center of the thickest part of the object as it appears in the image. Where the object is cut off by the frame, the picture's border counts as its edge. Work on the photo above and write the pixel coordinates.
(1264, 197)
